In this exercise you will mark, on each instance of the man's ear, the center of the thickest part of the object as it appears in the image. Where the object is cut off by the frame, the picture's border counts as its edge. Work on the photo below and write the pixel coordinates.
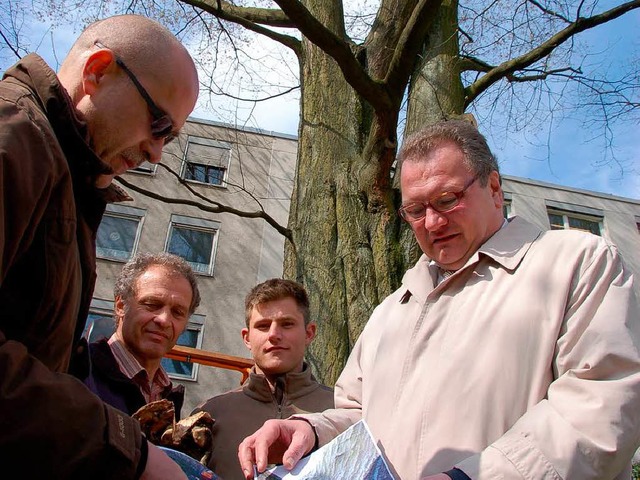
(310, 333)
(118, 310)
(496, 189)
(245, 337)
(96, 66)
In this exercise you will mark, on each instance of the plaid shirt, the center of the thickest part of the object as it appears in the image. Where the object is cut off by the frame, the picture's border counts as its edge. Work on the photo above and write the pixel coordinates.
(129, 366)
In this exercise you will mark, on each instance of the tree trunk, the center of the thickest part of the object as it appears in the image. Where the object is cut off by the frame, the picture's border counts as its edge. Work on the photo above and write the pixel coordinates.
(436, 91)
(343, 215)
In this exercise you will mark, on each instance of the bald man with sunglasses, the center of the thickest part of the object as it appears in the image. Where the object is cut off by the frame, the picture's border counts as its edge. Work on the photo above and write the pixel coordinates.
(125, 89)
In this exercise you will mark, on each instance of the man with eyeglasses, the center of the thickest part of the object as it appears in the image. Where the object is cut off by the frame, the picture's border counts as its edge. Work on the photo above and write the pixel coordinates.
(507, 353)
(124, 90)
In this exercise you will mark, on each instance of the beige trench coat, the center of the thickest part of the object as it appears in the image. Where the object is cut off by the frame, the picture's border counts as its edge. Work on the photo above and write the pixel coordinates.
(523, 364)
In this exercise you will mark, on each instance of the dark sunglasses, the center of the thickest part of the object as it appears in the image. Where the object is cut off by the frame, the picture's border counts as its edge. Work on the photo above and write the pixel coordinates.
(162, 125)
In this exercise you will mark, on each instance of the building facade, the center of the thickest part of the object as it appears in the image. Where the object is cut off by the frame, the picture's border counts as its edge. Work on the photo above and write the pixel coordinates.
(253, 171)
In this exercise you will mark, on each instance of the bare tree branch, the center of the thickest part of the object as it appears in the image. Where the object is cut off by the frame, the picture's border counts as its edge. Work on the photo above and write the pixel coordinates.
(474, 64)
(250, 18)
(374, 92)
(216, 208)
(11, 21)
(523, 61)
(272, 17)
(549, 12)
(544, 74)
(8, 43)
(263, 99)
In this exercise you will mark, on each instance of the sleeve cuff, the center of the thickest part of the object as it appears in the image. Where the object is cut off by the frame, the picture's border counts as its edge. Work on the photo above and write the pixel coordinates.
(144, 453)
(457, 474)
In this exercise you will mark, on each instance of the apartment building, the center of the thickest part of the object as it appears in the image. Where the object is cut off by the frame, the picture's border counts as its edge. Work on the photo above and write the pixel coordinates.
(252, 171)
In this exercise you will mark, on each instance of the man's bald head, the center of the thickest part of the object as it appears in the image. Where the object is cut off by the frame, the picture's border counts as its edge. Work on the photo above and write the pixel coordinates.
(145, 44)
(124, 73)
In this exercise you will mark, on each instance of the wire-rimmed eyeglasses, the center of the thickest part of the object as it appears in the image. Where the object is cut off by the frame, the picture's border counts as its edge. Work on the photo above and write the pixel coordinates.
(161, 125)
(445, 202)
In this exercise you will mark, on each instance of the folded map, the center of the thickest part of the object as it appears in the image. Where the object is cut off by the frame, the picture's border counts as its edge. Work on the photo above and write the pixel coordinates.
(353, 454)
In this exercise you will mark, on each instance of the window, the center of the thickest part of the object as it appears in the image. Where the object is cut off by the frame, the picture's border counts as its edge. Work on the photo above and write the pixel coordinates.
(506, 206)
(146, 167)
(119, 232)
(100, 322)
(570, 221)
(206, 161)
(194, 240)
(204, 173)
(191, 337)
(566, 216)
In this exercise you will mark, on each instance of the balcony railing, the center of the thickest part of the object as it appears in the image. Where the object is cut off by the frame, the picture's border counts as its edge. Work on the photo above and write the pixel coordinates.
(213, 359)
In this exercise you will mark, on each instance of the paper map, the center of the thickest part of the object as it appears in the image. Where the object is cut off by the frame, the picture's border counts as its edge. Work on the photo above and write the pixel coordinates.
(353, 454)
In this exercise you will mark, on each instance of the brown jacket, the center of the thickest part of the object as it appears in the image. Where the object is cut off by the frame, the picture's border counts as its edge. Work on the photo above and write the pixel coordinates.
(50, 423)
(242, 411)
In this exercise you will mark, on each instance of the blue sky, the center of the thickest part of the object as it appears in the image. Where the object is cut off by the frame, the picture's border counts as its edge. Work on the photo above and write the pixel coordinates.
(562, 156)
(574, 161)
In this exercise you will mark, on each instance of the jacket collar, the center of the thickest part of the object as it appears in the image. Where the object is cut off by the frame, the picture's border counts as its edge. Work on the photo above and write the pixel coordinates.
(70, 129)
(507, 247)
(294, 385)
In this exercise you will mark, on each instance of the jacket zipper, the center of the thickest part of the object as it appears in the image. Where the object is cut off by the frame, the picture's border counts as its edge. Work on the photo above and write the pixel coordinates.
(278, 396)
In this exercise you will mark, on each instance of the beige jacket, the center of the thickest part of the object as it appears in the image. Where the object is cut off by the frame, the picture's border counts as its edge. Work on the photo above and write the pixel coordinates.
(523, 364)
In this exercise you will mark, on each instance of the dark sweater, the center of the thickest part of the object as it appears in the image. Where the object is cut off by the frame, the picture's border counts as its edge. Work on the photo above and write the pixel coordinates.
(107, 381)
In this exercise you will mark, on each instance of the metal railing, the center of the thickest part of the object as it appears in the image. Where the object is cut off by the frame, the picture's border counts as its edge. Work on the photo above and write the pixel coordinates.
(213, 359)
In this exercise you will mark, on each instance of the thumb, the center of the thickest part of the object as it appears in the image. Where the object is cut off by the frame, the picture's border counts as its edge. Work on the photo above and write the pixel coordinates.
(301, 444)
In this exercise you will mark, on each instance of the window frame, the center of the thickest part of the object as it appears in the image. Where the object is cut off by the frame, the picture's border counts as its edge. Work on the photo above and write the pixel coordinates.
(566, 215)
(102, 308)
(144, 169)
(507, 206)
(197, 224)
(579, 212)
(206, 167)
(127, 213)
(223, 165)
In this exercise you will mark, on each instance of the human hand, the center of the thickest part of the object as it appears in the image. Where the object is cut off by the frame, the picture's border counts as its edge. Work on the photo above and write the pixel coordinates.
(277, 441)
(161, 467)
